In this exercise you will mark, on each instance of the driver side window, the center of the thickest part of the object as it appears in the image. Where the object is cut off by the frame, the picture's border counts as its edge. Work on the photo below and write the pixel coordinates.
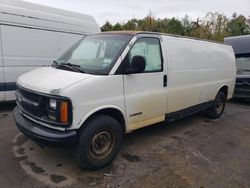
(150, 49)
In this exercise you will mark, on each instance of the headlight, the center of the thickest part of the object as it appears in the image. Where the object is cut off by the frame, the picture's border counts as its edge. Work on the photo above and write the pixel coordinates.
(52, 104)
(59, 110)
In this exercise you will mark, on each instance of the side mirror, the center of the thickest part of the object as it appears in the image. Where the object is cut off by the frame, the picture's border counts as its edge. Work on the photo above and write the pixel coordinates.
(137, 66)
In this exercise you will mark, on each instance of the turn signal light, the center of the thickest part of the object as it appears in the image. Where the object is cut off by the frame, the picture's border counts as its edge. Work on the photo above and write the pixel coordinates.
(64, 114)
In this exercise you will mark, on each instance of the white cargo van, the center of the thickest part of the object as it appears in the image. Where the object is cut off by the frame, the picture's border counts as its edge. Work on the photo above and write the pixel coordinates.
(32, 36)
(113, 83)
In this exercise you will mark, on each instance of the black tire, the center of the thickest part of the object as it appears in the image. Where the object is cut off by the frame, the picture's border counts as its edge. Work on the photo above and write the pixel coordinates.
(218, 107)
(99, 142)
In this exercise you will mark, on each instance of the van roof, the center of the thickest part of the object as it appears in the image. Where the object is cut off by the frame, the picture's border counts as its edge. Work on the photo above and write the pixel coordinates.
(16, 12)
(133, 33)
(240, 44)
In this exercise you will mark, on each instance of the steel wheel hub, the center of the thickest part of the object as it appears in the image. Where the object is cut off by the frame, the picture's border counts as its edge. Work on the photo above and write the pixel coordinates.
(102, 144)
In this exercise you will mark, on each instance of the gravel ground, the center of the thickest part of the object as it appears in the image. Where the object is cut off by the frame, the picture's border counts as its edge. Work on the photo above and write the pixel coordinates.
(192, 152)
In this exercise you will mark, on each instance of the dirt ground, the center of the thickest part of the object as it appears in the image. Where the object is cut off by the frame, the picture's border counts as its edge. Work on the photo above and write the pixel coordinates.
(192, 152)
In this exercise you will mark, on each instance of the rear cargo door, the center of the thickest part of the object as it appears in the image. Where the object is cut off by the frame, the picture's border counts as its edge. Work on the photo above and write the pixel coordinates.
(145, 93)
(2, 85)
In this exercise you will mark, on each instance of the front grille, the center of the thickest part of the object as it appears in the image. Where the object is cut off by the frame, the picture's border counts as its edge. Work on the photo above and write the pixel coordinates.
(242, 80)
(29, 102)
(29, 94)
(241, 92)
(243, 83)
(242, 87)
(36, 105)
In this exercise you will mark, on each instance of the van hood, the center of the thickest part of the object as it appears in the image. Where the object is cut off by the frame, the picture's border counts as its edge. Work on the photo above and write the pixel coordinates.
(50, 80)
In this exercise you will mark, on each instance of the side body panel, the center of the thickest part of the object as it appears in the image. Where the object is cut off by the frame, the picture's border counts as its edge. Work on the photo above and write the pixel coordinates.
(25, 49)
(197, 70)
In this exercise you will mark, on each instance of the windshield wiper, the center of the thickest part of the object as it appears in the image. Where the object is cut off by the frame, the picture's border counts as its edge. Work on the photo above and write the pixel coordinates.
(74, 67)
(55, 63)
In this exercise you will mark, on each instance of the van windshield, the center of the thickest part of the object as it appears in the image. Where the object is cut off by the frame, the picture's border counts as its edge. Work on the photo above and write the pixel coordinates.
(243, 64)
(94, 54)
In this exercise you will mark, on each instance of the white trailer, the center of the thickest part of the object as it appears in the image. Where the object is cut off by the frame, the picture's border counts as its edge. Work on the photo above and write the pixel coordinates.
(32, 35)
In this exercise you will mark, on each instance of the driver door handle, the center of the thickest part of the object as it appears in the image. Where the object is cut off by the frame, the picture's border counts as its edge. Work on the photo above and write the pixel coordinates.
(165, 81)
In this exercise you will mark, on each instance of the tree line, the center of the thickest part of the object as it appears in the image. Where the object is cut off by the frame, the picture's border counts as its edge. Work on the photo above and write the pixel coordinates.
(214, 26)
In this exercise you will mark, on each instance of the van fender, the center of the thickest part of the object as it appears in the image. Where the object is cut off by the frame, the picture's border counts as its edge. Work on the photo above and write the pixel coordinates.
(104, 107)
(221, 86)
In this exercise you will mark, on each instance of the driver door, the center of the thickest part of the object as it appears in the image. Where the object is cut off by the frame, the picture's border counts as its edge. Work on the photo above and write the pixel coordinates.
(145, 92)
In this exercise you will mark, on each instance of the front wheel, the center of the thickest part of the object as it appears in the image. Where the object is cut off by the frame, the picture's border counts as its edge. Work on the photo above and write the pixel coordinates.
(99, 143)
(218, 106)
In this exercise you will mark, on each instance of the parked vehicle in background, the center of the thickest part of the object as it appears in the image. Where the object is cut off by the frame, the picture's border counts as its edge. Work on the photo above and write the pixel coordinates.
(34, 35)
(241, 46)
(113, 83)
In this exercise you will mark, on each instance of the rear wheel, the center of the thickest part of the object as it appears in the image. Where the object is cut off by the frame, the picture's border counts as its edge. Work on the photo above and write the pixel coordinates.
(99, 143)
(218, 106)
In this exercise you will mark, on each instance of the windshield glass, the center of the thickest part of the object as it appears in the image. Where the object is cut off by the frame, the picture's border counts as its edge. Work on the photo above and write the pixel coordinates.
(243, 64)
(95, 54)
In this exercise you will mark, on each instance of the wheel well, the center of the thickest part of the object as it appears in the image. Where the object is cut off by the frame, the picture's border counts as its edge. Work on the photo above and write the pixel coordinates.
(114, 113)
(224, 89)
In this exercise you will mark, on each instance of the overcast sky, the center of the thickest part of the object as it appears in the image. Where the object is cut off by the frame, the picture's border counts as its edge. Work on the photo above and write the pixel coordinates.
(121, 11)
